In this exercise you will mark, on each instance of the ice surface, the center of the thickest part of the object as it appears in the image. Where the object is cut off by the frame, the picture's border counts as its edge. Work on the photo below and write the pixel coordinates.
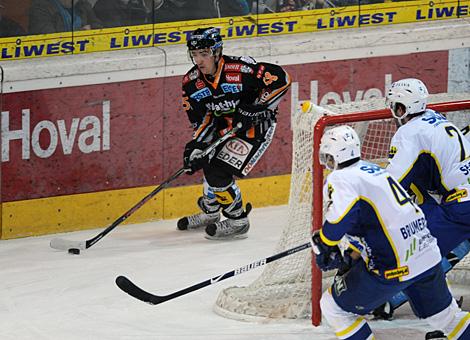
(50, 294)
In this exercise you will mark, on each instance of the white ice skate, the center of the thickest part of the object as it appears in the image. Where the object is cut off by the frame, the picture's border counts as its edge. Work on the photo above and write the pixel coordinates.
(231, 228)
(199, 220)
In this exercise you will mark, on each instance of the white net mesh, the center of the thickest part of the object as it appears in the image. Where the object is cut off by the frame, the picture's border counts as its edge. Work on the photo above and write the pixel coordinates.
(283, 290)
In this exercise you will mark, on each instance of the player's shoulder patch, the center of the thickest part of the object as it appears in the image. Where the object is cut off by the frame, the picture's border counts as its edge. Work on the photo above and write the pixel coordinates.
(237, 64)
(392, 152)
(248, 60)
(191, 75)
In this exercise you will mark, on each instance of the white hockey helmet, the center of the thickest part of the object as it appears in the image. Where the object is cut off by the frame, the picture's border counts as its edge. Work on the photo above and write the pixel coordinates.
(411, 93)
(339, 144)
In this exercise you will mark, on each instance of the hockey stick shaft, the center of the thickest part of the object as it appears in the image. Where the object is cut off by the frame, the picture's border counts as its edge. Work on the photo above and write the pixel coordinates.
(64, 244)
(132, 289)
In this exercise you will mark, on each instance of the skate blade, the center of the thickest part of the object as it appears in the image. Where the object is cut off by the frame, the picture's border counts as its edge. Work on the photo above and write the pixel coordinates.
(226, 238)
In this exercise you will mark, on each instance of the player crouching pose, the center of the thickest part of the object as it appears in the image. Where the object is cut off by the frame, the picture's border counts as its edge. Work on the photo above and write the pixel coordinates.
(367, 207)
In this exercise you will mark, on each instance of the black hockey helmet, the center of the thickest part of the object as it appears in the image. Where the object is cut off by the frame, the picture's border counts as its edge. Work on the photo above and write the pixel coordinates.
(205, 38)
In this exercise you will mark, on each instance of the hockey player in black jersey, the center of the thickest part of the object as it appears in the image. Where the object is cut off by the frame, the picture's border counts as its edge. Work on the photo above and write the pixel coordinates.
(220, 92)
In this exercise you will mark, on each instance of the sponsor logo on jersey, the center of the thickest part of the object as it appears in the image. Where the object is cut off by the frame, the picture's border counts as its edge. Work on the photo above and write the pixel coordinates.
(260, 71)
(248, 60)
(392, 152)
(265, 94)
(411, 250)
(246, 69)
(232, 67)
(268, 78)
(397, 272)
(413, 228)
(238, 68)
(425, 241)
(238, 146)
(185, 79)
(200, 84)
(193, 75)
(233, 78)
(235, 152)
(201, 94)
(457, 195)
(267, 141)
(339, 285)
(329, 202)
(231, 88)
(221, 108)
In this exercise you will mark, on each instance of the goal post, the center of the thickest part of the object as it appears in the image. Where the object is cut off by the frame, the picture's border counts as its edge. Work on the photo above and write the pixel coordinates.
(291, 288)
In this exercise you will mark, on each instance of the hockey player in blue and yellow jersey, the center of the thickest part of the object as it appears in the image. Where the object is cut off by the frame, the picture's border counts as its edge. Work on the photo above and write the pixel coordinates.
(431, 156)
(369, 210)
(219, 92)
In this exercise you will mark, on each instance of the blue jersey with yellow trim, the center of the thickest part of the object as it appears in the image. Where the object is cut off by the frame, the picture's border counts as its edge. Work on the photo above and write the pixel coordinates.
(368, 207)
(432, 154)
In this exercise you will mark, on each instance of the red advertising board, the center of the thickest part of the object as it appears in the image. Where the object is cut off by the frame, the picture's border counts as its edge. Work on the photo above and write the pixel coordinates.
(131, 134)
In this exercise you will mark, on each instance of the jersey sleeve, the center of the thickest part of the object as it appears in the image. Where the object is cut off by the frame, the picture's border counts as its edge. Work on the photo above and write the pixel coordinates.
(402, 158)
(273, 82)
(342, 211)
(201, 120)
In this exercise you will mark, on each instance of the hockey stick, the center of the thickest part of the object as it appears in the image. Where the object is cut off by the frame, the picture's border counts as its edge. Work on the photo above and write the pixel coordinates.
(130, 288)
(62, 244)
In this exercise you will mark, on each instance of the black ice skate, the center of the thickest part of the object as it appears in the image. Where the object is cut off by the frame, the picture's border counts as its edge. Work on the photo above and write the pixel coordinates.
(436, 335)
(231, 228)
(200, 220)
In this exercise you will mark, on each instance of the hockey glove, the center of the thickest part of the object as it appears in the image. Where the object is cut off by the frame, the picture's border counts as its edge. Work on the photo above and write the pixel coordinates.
(327, 257)
(349, 260)
(250, 114)
(192, 161)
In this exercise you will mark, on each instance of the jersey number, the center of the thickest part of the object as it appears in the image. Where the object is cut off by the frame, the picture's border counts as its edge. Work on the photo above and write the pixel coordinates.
(450, 130)
(400, 195)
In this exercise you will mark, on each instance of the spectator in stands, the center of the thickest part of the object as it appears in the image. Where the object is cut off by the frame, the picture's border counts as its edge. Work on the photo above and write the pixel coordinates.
(272, 6)
(264, 6)
(115, 13)
(300, 5)
(50, 16)
(231, 8)
(8, 27)
(182, 10)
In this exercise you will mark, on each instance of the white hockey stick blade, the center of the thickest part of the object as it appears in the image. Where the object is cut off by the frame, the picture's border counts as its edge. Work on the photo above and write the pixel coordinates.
(61, 244)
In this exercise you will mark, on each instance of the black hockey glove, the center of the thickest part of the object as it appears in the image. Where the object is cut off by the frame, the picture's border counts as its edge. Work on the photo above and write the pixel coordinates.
(347, 262)
(250, 114)
(327, 257)
(191, 161)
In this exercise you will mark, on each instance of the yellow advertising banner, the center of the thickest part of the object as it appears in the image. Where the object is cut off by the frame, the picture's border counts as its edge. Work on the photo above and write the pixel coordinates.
(231, 28)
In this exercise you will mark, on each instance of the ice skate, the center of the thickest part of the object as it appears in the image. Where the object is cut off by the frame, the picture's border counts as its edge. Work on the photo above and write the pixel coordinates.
(231, 228)
(436, 335)
(199, 220)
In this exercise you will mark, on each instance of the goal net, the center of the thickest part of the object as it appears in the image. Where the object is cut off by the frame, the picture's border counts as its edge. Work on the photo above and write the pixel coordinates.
(291, 287)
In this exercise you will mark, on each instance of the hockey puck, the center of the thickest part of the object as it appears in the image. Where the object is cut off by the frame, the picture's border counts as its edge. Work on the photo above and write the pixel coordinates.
(74, 251)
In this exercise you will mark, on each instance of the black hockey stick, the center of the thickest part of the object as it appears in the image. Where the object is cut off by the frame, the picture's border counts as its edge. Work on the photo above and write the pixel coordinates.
(130, 288)
(62, 244)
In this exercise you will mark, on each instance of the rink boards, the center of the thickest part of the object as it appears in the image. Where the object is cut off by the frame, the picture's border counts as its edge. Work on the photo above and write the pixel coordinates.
(77, 157)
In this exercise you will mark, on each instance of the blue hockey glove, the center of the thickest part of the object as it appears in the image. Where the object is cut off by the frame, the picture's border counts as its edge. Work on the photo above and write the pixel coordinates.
(250, 114)
(191, 161)
(326, 257)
